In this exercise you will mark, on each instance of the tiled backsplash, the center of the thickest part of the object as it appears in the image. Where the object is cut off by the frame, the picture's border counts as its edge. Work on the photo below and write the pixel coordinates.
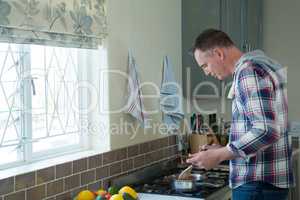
(64, 181)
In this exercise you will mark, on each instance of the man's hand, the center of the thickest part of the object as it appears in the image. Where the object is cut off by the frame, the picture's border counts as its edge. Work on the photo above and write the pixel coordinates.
(207, 147)
(210, 158)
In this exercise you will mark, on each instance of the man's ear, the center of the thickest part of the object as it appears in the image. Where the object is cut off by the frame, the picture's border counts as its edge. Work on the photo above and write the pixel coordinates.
(220, 53)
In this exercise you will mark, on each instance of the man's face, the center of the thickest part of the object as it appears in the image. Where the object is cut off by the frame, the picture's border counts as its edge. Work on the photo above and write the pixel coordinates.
(212, 63)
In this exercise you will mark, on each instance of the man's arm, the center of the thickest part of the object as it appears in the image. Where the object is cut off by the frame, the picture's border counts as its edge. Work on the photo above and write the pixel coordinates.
(257, 95)
(210, 158)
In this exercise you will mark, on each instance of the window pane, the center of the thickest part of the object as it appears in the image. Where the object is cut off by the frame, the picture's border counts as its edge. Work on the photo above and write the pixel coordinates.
(9, 155)
(10, 102)
(56, 142)
(55, 76)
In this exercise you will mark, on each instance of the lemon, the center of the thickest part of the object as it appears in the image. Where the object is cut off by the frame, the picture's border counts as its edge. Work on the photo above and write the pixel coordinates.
(128, 190)
(85, 195)
(116, 197)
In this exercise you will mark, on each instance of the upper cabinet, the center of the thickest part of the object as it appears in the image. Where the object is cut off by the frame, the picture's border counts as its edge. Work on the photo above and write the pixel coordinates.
(240, 19)
(252, 19)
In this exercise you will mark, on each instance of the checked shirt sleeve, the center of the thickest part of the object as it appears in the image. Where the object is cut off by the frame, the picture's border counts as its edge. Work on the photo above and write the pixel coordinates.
(256, 96)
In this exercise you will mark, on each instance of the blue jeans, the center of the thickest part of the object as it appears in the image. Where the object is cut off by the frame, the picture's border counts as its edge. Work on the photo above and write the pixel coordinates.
(258, 190)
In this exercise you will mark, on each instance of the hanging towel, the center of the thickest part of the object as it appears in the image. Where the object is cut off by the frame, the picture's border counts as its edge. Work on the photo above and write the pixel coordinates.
(170, 98)
(135, 106)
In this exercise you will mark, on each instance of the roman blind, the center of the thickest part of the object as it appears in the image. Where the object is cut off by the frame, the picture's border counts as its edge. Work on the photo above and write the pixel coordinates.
(67, 23)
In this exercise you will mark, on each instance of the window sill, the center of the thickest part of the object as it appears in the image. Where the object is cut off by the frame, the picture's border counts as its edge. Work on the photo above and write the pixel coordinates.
(29, 167)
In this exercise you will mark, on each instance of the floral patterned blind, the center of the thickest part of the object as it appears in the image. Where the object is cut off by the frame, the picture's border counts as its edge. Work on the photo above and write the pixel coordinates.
(68, 23)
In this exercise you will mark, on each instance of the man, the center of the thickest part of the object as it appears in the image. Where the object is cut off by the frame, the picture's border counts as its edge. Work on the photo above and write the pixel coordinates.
(258, 148)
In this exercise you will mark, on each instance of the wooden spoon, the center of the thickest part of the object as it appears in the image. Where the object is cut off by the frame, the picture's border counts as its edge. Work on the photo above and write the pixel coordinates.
(185, 173)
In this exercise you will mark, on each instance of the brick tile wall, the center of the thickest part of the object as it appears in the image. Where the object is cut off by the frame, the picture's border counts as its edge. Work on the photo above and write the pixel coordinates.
(64, 181)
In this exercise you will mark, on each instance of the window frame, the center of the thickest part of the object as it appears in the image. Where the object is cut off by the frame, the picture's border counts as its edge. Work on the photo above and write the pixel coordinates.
(25, 151)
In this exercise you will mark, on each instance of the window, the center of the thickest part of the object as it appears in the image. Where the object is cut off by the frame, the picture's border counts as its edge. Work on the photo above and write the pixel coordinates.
(42, 106)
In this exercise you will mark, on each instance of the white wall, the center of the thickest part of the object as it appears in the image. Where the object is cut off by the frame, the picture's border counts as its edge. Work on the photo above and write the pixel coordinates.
(152, 29)
(281, 42)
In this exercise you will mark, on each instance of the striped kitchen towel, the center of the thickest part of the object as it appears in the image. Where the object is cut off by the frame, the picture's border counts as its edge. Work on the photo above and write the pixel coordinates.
(170, 98)
(134, 105)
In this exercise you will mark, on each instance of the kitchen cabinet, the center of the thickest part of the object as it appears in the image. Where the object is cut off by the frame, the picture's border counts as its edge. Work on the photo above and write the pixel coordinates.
(197, 15)
(240, 19)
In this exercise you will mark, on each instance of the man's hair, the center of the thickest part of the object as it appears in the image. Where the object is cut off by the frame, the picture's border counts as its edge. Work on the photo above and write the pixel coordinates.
(210, 39)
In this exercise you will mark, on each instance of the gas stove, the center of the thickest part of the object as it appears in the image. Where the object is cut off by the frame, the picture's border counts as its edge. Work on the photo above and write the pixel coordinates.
(157, 180)
(214, 180)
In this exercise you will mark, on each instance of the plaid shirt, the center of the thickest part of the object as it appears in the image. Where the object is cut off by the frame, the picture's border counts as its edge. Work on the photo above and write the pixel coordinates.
(259, 127)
